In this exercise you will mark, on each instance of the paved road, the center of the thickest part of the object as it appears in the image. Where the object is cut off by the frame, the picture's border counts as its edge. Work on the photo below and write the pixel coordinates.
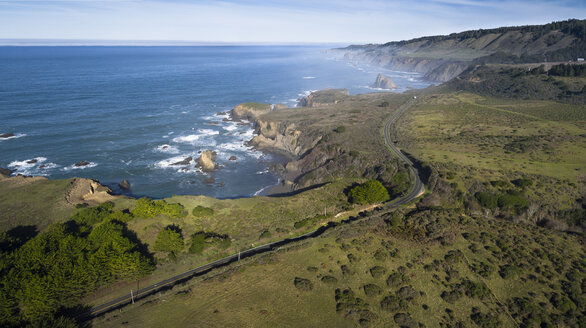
(417, 190)
(418, 187)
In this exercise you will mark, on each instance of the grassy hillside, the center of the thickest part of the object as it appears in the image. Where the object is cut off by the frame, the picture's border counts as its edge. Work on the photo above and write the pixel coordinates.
(557, 41)
(33, 202)
(563, 82)
(444, 57)
(431, 268)
(474, 144)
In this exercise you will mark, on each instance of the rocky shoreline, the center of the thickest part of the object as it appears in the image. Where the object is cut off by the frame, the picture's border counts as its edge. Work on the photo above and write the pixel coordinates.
(286, 139)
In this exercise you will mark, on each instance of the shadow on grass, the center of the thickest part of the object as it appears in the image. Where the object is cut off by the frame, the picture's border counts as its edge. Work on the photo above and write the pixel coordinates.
(14, 238)
(298, 191)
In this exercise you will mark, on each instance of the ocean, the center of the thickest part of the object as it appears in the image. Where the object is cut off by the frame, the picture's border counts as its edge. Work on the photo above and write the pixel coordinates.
(132, 112)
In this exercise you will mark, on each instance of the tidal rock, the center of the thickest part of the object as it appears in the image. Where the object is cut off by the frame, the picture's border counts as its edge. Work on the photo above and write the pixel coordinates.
(186, 161)
(209, 181)
(383, 82)
(82, 163)
(6, 135)
(32, 161)
(206, 161)
(232, 158)
(221, 184)
(6, 172)
(124, 184)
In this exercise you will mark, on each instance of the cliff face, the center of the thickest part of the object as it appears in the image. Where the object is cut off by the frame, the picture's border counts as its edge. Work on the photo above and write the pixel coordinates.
(249, 111)
(444, 57)
(282, 137)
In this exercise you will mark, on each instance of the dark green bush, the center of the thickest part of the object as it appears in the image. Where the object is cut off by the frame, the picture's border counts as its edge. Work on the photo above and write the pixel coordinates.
(148, 208)
(377, 271)
(202, 240)
(303, 284)
(391, 303)
(340, 129)
(396, 279)
(329, 280)
(369, 192)
(372, 289)
(169, 240)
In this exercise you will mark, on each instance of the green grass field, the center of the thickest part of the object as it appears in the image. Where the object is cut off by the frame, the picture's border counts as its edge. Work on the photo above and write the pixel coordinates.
(260, 292)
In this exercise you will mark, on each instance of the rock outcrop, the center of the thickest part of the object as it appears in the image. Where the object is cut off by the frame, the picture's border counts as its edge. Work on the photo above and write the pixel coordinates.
(383, 82)
(124, 184)
(325, 97)
(282, 137)
(6, 135)
(5, 172)
(185, 161)
(249, 111)
(207, 161)
(81, 164)
(88, 191)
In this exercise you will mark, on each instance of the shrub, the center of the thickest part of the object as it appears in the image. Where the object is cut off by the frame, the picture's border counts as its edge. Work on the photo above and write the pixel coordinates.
(201, 211)
(265, 234)
(303, 284)
(148, 208)
(485, 320)
(377, 271)
(329, 280)
(202, 240)
(476, 289)
(486, 199)
(369, 192)
(396, 279)
(372, 290)
(384, 104)
(509, 271)
(347, 271)
(404, 320)
(169, 240)
(93, 215)
(407, 293)
(522, 182)
(340, 129)
(391, 303)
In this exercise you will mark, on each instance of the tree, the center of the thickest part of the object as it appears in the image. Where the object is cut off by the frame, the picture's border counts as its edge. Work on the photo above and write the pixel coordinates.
(169, 240)
(369, 192)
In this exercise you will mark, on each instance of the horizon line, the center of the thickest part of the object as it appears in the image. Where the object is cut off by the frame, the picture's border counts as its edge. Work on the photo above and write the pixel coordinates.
(146, 43)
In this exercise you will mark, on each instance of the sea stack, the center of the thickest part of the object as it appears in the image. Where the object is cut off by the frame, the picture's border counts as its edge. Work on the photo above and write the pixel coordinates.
(383, 82)
(206, 161)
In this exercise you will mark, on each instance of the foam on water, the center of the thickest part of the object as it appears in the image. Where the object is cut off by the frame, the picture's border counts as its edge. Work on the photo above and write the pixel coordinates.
(81, 167)
(166, 148)
(15, 136)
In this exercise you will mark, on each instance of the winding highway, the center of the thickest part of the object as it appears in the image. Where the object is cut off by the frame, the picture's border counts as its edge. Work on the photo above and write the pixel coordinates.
(415, 192)
(418, 188)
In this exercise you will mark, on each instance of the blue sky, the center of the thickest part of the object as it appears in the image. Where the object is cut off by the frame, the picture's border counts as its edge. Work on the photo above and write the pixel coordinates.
(271, 21)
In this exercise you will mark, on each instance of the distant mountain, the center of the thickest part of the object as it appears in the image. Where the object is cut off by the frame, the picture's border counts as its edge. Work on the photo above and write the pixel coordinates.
(444, 57)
